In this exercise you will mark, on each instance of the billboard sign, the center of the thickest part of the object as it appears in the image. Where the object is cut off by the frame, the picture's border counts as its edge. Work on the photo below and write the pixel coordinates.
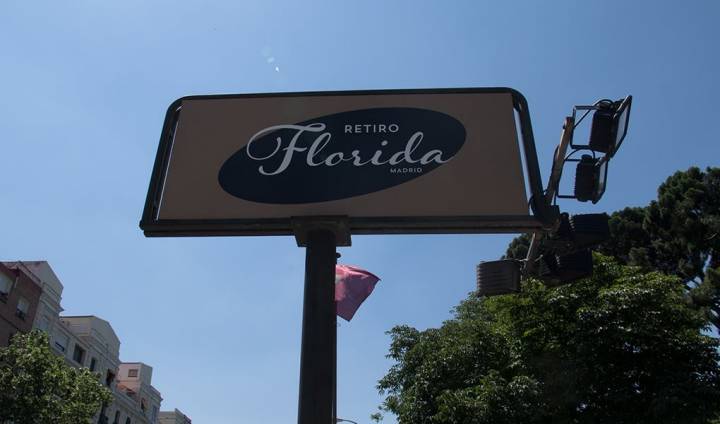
(390, 161)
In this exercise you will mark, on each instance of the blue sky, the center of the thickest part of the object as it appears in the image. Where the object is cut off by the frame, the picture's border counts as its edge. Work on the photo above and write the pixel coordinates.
(84, 86)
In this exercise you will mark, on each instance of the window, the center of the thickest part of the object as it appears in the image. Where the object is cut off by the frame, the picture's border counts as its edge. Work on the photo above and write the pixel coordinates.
(44, 323)
(117, 418)
(61, 342)
(109, 378)
(78, 354)
(6, 284)
(103, 419)
(127, 420)
(93, 364)
(132, 372)
(23, 307)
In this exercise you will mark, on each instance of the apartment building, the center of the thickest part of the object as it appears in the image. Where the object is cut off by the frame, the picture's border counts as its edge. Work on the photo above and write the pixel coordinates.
(48, 307)
(174, 417)
(19, 298)
(134, 379)
(94, 345)
(83, 341)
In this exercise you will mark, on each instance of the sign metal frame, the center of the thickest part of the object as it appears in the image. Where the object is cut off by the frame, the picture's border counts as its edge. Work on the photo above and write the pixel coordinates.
(541, 216)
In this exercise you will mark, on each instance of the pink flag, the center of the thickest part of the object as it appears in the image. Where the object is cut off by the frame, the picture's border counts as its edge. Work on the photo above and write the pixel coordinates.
(352, 286)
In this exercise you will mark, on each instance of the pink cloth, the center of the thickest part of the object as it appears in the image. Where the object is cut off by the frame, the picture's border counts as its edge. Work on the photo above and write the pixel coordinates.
(352, 286)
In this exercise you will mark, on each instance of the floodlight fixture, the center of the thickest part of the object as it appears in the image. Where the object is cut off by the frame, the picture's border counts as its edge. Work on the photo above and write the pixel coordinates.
(575, 266)
(621, 121)
(590, 178)
(498, 277)
(556, 270)
(601, 130)
(561, 253)
(608, 130)
(609, 125)
(578, 232)
(590, 230)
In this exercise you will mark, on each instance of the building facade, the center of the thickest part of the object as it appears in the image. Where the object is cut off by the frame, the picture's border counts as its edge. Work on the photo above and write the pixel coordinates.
(174, 417)
(93, 344)
(19, 299)
(83, 341)
(134, 380)
(48, 308)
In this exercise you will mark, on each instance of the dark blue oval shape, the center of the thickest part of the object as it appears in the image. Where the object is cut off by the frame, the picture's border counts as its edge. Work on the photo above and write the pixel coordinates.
(341, 155)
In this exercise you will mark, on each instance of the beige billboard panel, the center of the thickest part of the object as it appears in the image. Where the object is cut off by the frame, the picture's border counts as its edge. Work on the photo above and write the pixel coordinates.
(416, 156)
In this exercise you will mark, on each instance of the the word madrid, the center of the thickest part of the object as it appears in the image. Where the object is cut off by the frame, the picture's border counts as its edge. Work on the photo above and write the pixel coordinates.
(313, 155)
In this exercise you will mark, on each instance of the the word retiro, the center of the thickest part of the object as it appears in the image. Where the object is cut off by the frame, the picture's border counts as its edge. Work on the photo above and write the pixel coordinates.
(333, 159)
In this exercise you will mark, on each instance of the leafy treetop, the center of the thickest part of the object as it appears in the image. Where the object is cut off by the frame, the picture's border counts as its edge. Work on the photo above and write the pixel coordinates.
(37, 386)
(620, 347)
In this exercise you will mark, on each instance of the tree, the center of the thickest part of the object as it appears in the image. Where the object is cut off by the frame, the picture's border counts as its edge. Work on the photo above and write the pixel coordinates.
(627, 345)
(36, 386)
(620, 347)
(679, 233)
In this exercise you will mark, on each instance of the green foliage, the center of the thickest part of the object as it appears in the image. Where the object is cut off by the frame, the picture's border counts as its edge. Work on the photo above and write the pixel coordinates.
(518, 248)
(620, 347)
(677, 234)
(628, 345)
(36, 386)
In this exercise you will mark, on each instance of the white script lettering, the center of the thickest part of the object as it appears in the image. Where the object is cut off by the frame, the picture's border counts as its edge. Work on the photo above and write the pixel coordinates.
(314, 156)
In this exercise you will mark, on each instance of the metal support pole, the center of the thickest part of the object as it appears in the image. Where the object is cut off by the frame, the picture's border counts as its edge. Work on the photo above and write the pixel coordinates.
(334, 365)
(317, 353)
(558, 162)
(334, 334)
